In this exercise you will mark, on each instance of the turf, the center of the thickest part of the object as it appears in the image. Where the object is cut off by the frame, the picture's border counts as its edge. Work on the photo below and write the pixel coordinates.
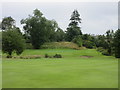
(71, 71)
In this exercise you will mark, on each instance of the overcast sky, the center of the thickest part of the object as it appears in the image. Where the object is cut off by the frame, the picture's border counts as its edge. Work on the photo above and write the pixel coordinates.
(97, 17)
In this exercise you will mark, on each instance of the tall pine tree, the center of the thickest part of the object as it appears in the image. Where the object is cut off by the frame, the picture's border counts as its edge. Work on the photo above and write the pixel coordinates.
(73, 29)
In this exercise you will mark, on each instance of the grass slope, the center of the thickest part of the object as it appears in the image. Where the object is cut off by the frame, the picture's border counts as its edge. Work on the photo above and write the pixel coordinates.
(58, 45)
(71, 71)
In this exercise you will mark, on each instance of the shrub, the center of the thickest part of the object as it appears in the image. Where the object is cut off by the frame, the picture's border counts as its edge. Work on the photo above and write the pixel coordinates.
(78, 40)
(100, 49)
(88, 44)
(29, 46)
(57, 56)
(105, 52)
(46, 56)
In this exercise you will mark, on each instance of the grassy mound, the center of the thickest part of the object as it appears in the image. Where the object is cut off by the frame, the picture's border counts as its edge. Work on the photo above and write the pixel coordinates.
(56, 45)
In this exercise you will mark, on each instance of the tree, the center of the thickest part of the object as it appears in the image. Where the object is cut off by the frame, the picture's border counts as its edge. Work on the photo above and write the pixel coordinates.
(52, 27)
(88, 44)
(38, 28)
(12, 41)
(59, 35)
(7, 23)
(34, 27)
(101, 41)
(73, 27)
(109, 40)
(117, 43)
(78, 40)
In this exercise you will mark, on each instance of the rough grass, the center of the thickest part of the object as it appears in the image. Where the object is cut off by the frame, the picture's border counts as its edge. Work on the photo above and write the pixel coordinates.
(57, 45)
(71, 71)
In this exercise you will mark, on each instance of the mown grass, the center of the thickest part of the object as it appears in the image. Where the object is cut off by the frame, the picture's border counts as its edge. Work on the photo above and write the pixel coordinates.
(71, 71)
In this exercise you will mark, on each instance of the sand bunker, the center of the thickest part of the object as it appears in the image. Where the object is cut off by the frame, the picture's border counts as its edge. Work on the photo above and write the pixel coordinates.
(85, 56)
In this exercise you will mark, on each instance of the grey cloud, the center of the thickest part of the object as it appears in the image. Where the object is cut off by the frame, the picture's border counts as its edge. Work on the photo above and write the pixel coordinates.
(97, 17)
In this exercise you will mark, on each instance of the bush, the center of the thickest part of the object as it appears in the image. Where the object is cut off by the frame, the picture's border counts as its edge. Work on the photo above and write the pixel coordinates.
(105, 52)
(46, 56)
(88, 44)
(57, 56)
(29, 46)
(100, 49)
(78, 40)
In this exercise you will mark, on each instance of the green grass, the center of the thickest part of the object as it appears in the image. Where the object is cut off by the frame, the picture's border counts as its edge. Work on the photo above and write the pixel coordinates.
(0, 72)
(71, 71)
(62, 45)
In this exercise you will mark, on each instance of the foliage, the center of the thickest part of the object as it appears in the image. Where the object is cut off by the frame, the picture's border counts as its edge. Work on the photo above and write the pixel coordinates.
(47, 56)
(88, 44)
(59, 35)
(29, 46)
(109, 40)
(78, 40)
(117, 43)
(51, 27)
(101, 41)
(7, 23)
(89, 41)
(57, 56)
(12, 41)
(73, 27)
(39, 30)
(100, 49)
(33, 28)
(106, 42)
(105, 52)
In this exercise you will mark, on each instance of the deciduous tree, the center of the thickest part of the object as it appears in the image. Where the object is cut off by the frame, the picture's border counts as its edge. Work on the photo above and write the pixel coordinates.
(7, 23)
(12, 41)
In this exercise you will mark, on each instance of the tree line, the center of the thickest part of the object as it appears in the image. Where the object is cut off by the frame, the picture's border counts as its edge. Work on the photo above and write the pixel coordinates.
(38, 30)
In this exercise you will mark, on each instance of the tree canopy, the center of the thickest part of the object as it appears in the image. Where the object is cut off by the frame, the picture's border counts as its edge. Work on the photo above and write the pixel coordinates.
(39, 29)
(117, 43)
(12, 41)
(7, 23)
